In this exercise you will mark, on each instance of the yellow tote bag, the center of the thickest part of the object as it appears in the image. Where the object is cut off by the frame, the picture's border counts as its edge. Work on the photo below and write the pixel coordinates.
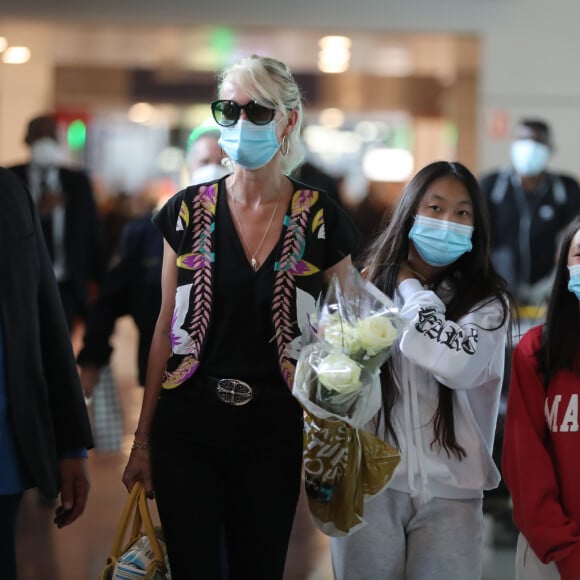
(142, 549)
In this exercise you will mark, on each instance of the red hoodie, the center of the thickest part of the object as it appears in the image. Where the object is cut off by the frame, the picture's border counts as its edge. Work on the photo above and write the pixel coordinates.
(541, 458)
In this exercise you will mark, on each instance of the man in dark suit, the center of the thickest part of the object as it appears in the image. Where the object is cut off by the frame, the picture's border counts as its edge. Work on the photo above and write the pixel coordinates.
(44, 427)
(529, 206)
(66, 205)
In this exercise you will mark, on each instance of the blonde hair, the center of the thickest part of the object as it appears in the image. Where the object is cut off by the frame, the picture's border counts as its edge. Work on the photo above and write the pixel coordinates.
(270, 83)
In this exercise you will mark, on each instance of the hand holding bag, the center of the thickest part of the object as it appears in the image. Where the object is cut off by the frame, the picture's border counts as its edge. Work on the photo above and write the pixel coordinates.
(141, 555)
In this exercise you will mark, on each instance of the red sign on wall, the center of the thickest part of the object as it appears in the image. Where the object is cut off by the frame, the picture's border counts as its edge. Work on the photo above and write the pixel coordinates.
(498, 124)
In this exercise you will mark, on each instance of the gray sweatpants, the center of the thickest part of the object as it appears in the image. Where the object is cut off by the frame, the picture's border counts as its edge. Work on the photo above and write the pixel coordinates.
(529, 566)
(439, 540)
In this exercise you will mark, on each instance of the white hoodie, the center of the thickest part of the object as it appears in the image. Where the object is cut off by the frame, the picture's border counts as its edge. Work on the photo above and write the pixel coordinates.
(469, 360)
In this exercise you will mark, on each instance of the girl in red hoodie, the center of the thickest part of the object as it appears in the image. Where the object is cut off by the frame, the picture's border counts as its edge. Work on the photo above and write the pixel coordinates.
(541, 464)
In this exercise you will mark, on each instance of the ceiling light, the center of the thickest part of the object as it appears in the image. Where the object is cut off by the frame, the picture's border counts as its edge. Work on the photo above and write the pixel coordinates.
(16, 55)
(335, 43)
(394, 61)
(384, 164)
(331, 118)
(334, 54)
(143, 113)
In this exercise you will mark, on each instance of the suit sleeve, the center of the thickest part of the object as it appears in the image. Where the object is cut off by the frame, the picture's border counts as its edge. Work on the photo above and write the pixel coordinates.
(573, 196)
(487, 183)
(112, 303)
(65, 398)
(96, 266)
(528, 469)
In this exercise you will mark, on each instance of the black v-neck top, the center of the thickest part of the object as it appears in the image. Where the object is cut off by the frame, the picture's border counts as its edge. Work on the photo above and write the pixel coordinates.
(232, 322)
(240, 340)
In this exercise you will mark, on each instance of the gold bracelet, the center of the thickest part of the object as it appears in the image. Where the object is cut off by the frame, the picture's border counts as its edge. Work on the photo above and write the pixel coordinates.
(139, 445)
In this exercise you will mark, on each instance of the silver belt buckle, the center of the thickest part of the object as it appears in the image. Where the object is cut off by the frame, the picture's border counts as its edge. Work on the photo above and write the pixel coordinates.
(234, 392)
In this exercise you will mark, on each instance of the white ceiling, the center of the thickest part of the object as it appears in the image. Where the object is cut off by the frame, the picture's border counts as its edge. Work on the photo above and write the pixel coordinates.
(367, 14)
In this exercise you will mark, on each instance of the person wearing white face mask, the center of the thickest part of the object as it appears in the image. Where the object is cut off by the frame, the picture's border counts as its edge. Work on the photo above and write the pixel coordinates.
(529, 205)
(203, 158)
(65, 201)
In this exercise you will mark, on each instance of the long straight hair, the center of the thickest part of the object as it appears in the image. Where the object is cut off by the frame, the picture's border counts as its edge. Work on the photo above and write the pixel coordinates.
(561, 340)
(472, 278)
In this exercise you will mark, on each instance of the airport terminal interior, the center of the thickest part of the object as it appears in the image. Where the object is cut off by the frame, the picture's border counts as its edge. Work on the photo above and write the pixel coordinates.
(378, 106)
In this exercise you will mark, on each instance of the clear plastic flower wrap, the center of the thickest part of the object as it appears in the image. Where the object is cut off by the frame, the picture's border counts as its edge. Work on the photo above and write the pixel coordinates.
(350, 338)
(337, 382)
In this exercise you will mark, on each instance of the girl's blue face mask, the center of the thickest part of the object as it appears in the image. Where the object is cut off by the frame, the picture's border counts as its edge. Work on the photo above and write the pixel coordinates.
(250, 146)
(440, 242)
(574, 283)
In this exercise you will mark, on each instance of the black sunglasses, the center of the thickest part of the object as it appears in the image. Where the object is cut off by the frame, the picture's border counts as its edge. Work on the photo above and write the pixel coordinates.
(226, 113)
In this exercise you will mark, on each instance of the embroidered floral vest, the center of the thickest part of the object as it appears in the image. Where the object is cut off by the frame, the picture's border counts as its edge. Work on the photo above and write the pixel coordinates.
(298, 278)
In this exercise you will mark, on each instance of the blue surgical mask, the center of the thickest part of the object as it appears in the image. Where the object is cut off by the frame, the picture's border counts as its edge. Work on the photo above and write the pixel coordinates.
(440, 242)
(529, 157)
(574, 283)
(250, 146)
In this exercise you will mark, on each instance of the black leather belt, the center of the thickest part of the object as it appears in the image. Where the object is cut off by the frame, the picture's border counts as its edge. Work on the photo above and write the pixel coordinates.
(238, 393)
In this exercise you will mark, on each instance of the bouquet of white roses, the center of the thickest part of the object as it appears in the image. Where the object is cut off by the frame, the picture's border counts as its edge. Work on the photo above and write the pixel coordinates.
(337, 375)
(337, 382)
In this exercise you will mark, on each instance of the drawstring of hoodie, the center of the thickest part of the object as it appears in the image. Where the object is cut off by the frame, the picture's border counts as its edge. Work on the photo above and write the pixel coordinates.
(408, 426)
(413, 436)
(424, 494)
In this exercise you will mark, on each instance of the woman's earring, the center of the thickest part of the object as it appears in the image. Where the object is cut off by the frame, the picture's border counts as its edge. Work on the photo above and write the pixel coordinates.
(284, 145)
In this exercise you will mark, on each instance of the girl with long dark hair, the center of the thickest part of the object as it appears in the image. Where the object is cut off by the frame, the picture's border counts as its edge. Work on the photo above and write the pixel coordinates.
(542, 437)
(441, 387)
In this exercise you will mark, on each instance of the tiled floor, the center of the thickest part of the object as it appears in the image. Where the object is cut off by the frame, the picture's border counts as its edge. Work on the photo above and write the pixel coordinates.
(80, 551)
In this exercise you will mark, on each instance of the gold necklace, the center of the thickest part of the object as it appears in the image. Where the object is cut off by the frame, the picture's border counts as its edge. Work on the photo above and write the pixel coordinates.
(253, 261)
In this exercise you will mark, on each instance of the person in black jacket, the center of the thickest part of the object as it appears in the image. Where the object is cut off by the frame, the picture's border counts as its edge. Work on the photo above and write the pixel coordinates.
(65, 201)
(529, 206)
(44, 427)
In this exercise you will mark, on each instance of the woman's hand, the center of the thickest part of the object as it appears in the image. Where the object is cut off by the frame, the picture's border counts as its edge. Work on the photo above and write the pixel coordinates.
(89, 376)
(138, 468)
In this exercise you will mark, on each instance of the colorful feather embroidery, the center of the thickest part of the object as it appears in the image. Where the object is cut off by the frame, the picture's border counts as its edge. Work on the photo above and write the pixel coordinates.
(290, 265)
(199, 261)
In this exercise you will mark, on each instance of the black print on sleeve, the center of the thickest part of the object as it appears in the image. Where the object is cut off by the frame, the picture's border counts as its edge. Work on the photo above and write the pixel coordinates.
(455, 338)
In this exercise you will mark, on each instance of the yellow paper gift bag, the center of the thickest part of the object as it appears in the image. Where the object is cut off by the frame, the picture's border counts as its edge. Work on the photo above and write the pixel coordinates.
(343, 467)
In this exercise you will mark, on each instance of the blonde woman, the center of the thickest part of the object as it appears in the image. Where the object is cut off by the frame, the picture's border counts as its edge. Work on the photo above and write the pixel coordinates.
(219, 439)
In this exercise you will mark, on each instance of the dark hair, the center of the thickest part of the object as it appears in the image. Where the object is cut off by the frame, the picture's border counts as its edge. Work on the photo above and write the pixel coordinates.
(536, 125)
(539, 127)
(472, 278)
(560, 343)
(39, 127)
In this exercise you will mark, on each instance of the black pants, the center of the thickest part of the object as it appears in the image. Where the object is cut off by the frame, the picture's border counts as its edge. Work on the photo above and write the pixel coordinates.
(221, 468)
(9, 505)
(70, 303)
